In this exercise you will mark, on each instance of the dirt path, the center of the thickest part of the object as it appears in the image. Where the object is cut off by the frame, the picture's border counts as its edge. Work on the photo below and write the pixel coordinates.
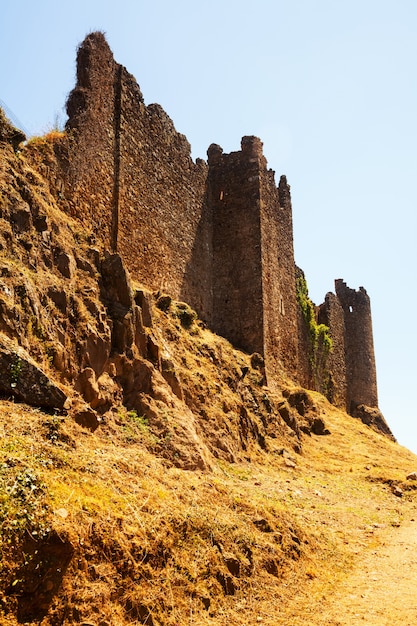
(382, 590)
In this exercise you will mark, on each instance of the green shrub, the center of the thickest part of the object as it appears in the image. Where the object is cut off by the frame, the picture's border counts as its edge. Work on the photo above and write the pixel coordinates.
(320, 341)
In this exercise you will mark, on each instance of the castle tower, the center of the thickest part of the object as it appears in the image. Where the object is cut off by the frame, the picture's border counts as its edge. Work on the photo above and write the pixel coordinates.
(234, 199)
(89, 175)
(254, 302)
(361, 385)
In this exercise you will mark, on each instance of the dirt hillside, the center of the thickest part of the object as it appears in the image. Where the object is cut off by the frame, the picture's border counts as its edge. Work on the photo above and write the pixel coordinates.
(147, 473)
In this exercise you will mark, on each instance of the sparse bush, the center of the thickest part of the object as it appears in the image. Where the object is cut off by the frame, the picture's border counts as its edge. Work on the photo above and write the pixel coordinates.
(164, 302)
(22, 506)
(185, 314)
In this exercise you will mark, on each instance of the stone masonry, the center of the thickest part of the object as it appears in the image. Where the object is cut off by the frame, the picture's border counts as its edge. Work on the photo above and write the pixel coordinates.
(217, 235)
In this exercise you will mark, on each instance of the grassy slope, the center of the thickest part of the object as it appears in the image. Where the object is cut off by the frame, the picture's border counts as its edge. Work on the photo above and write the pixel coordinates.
(102, 528)
(157, 544)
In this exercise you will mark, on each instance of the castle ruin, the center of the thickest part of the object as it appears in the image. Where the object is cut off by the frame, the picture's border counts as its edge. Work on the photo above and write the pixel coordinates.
(217, 235)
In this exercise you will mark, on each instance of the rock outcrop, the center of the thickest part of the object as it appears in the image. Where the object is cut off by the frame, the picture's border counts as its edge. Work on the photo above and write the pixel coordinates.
(22, 378)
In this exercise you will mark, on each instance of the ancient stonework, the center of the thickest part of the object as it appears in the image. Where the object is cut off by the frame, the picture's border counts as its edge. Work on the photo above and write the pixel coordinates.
(359, 346)
(217, 235)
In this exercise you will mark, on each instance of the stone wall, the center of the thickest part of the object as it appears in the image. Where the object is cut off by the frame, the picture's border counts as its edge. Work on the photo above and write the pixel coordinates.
(218, 235)
(254, 302)
(132, 177)
(162, 218)
(90, 171)
(278, 274)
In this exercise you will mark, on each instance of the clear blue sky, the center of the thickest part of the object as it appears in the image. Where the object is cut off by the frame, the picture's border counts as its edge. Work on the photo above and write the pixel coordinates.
(329, 86)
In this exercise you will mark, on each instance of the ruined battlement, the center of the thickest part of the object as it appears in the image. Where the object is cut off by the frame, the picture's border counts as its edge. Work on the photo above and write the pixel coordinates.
(217, 234)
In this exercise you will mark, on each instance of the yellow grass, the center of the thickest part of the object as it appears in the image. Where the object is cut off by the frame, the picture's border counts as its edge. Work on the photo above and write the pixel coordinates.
(262, 536)
(250, 541)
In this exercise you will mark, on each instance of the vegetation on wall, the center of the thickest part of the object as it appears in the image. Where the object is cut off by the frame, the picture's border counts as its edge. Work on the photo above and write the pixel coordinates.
(320, 341)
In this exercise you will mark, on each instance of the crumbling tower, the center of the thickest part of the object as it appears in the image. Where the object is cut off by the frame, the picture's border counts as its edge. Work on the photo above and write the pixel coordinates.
(254, 301)
(361, 386)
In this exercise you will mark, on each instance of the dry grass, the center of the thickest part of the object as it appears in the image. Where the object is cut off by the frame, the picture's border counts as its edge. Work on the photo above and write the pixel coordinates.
(156, 544)
(105, 528)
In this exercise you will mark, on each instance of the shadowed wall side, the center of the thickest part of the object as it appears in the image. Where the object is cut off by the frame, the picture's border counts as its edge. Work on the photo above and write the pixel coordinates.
(331, 314)
(278, 276)
(162, 203)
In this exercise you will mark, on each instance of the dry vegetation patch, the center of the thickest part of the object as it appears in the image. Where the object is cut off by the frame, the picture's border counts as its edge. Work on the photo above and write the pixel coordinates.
(139, 542)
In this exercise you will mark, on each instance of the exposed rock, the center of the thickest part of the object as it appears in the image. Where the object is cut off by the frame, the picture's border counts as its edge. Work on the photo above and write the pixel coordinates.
(170, 375)
(23, 379)
(306, 417)
(85, 266)
(232, 564)
(164, 302)
(20, 217)
(97, 347)
(9, 133)
(300, 400)
(98, 392)
(116, 281)
(372, 416)
(412, 476)
(59, 298)
(40, 222)
(87, 418)
(123, 334)
(288, 416)
(397, 491)
(289, 463)
(65, 263)
(318, 427)
(154, 351)
(170, 420)
(144, 300)
(87, 385)
(117, 295)
(249, 429)
(140, 338)
(286, 454)
(257, 361)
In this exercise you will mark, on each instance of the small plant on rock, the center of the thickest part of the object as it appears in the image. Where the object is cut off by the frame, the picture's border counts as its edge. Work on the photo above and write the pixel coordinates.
(185, 314)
